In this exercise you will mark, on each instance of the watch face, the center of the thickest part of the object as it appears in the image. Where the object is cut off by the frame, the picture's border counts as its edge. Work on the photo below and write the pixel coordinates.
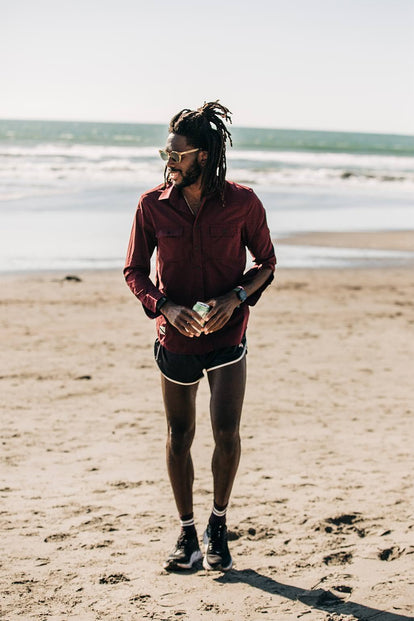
(242, 295)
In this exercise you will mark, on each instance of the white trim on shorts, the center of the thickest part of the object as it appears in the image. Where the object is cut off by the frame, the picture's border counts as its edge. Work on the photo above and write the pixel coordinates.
(219, 366)
(181, 383)
(226, 364)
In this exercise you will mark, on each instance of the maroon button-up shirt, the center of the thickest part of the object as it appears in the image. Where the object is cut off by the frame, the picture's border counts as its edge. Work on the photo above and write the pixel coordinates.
(197, 258)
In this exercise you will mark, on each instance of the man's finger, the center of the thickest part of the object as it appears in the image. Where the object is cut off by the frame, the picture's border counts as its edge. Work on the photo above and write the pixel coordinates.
(192, 317)
(192, 328)
(215, 324)
(213, 311)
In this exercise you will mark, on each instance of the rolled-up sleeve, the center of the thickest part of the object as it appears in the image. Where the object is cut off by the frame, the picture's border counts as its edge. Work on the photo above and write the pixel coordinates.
(259, 243)
(142, 243)
(257, 233)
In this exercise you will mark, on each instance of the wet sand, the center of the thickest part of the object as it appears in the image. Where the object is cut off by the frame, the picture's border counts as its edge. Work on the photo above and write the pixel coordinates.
(382, 240)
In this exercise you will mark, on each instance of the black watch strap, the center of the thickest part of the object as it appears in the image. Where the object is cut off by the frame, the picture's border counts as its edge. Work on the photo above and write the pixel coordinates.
(161, 303)
(241, 293)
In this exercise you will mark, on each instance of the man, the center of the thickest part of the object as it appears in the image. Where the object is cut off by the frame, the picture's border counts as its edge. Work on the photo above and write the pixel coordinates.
(200, 225)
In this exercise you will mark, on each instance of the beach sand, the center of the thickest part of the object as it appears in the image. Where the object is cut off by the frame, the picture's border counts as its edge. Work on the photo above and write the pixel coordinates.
(381, 240)
(321, 519)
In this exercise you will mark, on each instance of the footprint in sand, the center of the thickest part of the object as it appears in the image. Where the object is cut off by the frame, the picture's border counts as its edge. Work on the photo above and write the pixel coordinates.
(343, 524)
(390, 554)
(113, 579)
(338, 558)
(56, 537)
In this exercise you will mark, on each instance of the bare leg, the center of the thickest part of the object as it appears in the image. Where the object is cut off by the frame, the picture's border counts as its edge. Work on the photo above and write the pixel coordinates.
(227, 387)
(179, 403)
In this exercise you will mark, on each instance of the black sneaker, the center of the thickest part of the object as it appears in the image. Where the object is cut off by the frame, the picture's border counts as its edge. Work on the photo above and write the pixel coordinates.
(185, 554)
(217, 555)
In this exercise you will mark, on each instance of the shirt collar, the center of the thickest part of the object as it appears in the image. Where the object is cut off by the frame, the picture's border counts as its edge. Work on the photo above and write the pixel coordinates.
(174, 197)
(169, 193)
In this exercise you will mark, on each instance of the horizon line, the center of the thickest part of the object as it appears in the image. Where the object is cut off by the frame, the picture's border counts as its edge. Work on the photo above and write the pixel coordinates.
(261, 127)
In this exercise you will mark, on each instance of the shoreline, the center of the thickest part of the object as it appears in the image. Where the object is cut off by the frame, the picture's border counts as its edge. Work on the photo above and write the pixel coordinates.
(388, 241)
(401, 240)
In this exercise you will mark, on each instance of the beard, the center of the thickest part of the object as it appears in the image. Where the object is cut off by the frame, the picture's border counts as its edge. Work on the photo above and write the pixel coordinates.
(191, 176)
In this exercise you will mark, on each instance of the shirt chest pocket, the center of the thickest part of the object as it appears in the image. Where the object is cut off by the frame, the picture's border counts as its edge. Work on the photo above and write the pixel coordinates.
(224, 241)
(171, 245)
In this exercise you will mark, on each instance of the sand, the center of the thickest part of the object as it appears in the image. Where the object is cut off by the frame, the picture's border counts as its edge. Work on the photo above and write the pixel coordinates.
(381, 240)
(321, 518)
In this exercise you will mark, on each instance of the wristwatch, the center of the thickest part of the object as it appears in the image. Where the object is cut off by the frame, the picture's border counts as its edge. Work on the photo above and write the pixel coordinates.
(161, 303)
(241, 294)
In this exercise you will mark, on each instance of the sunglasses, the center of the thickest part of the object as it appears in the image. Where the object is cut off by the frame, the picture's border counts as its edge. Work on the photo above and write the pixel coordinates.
(175, 156)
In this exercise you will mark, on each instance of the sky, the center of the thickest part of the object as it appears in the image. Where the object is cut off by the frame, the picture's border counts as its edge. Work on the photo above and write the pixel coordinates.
(300, 64)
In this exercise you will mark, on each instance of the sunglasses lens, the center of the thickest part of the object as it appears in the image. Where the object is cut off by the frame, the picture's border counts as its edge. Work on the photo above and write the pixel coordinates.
(170, 155)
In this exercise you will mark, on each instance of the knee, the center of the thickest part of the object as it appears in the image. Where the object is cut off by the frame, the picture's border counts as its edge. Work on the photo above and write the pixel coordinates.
(227, 440)
(180, 439)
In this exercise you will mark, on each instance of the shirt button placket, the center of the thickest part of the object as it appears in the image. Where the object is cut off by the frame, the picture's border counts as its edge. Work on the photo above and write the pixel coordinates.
(197, 257)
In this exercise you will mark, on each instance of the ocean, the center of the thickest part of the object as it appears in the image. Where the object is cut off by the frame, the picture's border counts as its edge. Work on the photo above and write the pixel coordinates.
(68, 190)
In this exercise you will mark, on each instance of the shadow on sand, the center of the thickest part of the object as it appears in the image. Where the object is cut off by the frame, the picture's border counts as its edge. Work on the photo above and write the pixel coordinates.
(319, 599)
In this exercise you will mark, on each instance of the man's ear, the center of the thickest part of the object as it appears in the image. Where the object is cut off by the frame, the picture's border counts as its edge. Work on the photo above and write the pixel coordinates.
(202, 157)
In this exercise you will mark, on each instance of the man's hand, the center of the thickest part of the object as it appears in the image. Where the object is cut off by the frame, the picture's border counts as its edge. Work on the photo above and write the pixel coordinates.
(222, 310)
(187, 321)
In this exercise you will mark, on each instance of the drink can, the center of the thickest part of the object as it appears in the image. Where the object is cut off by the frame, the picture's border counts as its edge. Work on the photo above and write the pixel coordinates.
(201, 308)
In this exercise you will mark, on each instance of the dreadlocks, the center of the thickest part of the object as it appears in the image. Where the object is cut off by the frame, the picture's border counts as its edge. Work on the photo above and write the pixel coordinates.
(204, 129)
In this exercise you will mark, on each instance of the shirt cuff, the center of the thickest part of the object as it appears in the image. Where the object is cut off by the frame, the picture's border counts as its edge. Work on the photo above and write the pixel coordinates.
(247, 278)
(149, 304)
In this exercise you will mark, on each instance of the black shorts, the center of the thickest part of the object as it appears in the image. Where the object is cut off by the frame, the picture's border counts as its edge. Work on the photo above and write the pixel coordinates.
(188, 369)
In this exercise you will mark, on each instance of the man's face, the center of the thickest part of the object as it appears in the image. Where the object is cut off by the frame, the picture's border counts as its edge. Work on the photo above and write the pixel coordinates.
(188, 171)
